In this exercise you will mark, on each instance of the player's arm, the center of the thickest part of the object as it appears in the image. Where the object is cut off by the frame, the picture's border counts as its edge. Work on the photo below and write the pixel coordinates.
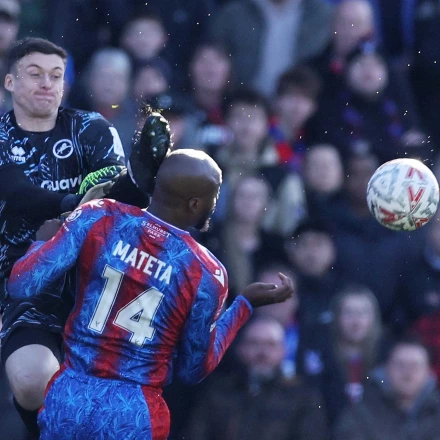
(21, 197)
(47, 261)
(206, 339)
(101, 144)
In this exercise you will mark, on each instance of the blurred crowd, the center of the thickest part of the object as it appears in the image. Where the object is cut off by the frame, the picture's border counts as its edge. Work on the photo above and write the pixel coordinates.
(299, 101)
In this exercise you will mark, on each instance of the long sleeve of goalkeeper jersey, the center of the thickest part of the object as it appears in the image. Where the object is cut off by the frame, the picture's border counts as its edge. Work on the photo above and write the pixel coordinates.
(46, 262)
(205, 339)
(125, 190)
(22, 198)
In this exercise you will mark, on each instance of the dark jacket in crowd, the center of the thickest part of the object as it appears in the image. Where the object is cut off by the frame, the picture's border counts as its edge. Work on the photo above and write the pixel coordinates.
(240, 25)
(315, 298)
(320, 366)
(238, 408)
(370, 254)
(419, 303)
(377, 417)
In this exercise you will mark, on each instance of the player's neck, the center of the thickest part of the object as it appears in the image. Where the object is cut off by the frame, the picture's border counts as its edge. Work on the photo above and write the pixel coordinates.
(166, 215)
(32, 123)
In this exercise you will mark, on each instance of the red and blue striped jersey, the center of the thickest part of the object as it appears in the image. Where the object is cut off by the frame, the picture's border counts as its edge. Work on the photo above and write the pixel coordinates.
(149, 298)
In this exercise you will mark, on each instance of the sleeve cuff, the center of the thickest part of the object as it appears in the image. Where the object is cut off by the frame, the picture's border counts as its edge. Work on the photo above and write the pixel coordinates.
(70, 202)
(248, 304)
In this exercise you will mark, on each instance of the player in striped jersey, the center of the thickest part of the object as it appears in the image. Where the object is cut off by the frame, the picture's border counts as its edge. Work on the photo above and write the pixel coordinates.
(149, 299)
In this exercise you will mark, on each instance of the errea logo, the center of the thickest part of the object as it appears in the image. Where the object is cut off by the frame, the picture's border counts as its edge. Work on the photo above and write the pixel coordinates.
(63, 149)
(18, 154)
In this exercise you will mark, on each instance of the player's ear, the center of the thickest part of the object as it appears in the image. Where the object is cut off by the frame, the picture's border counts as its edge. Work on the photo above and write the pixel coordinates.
(9, 82)
(194, 205)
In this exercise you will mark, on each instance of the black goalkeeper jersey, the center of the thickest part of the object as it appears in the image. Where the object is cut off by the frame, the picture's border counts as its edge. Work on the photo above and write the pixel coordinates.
(56, 162)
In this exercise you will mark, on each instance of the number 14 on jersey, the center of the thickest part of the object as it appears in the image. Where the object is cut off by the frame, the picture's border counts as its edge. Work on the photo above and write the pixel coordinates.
(135, 317)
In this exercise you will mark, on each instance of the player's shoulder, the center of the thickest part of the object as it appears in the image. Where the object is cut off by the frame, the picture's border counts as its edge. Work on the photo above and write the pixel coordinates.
(120, 211)
(99, 208)
(84, 117)
(102, 206)
(210, 263)
(5, 122)
(111, 205)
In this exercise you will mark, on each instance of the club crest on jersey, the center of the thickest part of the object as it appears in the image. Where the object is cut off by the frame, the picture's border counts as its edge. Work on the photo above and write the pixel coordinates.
(63, 149)
(75, 214)
(219, 276)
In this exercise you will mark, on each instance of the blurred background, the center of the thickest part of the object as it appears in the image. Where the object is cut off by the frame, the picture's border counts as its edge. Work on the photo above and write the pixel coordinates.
(299, 101)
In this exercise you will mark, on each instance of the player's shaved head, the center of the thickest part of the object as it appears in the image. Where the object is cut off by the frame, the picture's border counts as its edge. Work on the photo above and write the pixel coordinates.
(188, 173)
(187, 186)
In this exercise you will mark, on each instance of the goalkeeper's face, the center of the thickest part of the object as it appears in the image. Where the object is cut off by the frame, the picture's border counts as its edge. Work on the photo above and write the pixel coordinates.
(36, 83)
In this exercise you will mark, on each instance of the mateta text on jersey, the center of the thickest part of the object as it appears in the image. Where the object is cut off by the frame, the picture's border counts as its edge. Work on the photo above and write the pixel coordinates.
(143, 261)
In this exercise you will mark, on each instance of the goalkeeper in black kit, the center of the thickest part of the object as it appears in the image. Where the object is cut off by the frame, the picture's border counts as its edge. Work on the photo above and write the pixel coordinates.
(51, 158)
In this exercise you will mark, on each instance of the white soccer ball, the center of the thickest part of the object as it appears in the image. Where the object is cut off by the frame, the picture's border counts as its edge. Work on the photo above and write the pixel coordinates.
(403, 194)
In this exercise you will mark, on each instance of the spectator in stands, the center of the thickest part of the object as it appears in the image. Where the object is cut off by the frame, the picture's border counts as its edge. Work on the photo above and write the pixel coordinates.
(312, 252)
(210, 76)
(285, 313)
(9, 26)
(252, 150)
(151, 79)
(338, 358)
(256, 401)
(84, 27)
(107, 84)
(370, 107)
(419, 298)
(296, 101)
(353, 23)
(186, 23)
(323, 175)
(267, 37)
(144, 38)
(183, 124)
(368, 253)
(400, 402)
(420, 32)
(240, 240)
